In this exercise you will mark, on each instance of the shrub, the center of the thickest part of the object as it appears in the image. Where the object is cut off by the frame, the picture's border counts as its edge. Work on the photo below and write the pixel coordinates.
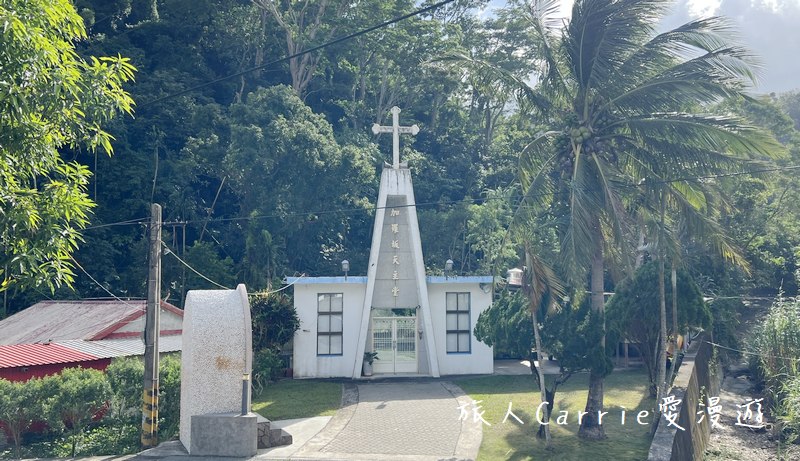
(76, 396)
(725, 321)
(274, 320)
(267, 366)
(169, 400)
(778, 345)
(126, 376)
(787, 410)
(20, 406)
(633, 312)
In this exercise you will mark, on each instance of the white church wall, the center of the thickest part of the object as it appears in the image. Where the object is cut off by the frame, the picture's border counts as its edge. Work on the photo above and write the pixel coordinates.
(306, 362)
(480, 358)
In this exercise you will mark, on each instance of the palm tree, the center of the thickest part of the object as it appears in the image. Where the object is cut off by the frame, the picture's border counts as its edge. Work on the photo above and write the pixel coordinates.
(694, 206)
(623, 106)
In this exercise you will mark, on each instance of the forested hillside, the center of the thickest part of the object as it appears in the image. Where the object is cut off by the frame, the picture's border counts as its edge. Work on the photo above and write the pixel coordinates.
(274, 172)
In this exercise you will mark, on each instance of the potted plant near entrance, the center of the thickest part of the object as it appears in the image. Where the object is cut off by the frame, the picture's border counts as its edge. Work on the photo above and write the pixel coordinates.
(369, 357)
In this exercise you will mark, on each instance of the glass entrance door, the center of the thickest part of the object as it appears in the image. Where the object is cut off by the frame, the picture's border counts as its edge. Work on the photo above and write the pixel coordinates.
(395, 341)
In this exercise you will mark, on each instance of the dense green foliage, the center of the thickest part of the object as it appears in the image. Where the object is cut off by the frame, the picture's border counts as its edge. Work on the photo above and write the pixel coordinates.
(50, 99)
(634, 315)
(274, 172)
(88, 412)
(628, 129)
(274, 323)
(20, 405)
(507, 326)
(74, 398)
(777, 343)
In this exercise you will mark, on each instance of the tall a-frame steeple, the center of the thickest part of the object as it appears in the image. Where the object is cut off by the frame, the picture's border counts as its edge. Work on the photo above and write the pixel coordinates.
(396, 283)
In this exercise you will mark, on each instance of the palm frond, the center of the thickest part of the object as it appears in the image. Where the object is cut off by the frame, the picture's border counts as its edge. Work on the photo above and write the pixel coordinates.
(704, 228)
(543, 17)
(714, 133)
(586, 200)
(546, 289)
(603, 33)
(510, 81)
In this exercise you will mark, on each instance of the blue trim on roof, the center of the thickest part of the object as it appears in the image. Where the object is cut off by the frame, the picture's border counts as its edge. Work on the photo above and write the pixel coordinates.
(459, 279)
(363, 279)
(319, 280)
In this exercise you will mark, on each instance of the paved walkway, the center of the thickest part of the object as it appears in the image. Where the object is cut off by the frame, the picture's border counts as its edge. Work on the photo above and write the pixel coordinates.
(392, 420)
(402, 420)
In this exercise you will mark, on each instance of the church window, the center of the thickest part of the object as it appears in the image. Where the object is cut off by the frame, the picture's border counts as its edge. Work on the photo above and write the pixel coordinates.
(459, 337)
(329, 323)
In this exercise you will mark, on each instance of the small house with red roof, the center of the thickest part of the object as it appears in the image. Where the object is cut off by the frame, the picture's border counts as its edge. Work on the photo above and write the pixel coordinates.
(52, 335)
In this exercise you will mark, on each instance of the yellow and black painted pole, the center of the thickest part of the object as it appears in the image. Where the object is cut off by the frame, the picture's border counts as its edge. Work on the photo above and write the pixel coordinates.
(150, 416)
(151, 331)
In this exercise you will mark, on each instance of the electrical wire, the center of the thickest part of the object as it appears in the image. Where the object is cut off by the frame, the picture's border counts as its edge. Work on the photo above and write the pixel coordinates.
(753, 353)
(419, 205)
(119, 223)
(101, 285)
(298, 54)
(169, 250)
(297, 279)
(725, 175)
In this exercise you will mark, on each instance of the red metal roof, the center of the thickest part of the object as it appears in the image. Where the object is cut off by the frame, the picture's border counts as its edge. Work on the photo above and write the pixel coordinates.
(24, 355)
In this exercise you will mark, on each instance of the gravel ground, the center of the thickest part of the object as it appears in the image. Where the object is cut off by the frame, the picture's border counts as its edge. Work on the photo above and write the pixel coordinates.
(732, 442)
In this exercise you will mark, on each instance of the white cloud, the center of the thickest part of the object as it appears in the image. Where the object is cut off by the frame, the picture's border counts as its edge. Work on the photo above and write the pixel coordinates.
(700, 8)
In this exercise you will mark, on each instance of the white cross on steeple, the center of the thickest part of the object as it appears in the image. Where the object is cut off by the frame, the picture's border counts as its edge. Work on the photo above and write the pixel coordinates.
(395, 129)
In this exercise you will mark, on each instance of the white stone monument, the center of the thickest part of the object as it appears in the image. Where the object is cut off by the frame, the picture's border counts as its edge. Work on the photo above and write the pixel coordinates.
(217, 354)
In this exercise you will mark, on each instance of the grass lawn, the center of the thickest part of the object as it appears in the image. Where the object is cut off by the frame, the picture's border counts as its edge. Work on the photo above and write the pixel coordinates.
(514, 441)
(298, 398)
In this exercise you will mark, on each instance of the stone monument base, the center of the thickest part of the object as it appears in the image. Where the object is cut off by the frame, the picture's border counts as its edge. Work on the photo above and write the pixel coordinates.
(224, 434)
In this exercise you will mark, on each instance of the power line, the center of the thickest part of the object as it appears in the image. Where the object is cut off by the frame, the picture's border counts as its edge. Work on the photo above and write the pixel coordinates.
(795, 359)
(725, 175)
(301, 53)
(101, 285)
(169, 250)
(297, 279)
(119, 223)
(423, 204)
(472, 200)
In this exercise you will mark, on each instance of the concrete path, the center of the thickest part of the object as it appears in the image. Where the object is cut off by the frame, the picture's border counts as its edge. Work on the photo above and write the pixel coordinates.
(389, 420)
(402, 420)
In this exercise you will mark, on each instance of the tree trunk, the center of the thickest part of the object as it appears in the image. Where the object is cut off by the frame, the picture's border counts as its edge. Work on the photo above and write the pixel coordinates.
(590, 425)
(661, 361)
(540, 372)
(674, 279)
(662, 342)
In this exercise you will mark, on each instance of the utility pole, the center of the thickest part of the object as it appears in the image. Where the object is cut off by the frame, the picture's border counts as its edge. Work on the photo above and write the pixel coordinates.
(151, 331)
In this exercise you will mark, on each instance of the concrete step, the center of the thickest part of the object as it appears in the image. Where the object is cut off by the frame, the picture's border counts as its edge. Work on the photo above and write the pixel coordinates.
(271, 437)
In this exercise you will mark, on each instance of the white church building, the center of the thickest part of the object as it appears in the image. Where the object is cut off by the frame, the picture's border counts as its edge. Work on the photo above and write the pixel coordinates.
(416, 324)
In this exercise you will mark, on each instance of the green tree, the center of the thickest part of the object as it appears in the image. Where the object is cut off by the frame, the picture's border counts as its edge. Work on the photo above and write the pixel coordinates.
(76, 396)
(279, 151)
(623, 104)
(51, 99)
(274, 320)
(169, 396)
(20, 406)
(274, 323)
(633, 312)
